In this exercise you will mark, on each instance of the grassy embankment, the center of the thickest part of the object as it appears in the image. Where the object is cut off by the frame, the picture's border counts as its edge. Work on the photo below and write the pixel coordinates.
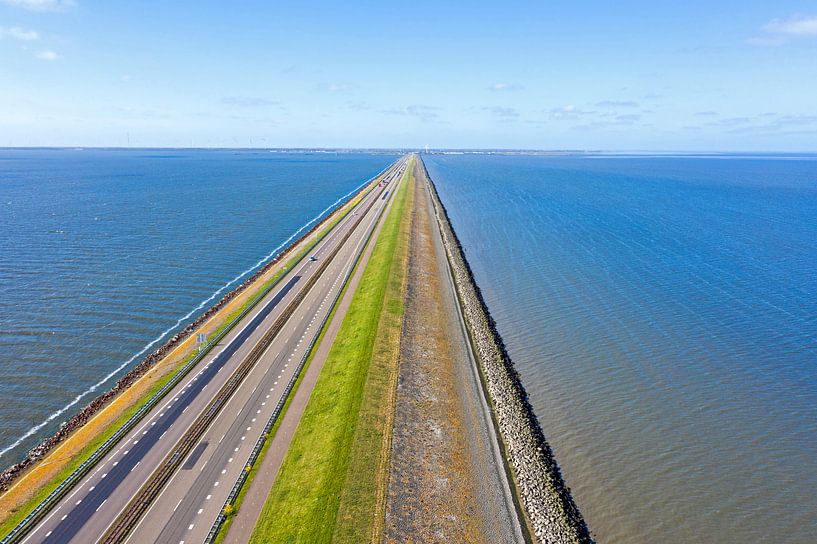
(331, 486)
(46, 475)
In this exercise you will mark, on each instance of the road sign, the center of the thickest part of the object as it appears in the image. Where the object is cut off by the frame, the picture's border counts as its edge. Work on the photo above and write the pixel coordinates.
(201, 339)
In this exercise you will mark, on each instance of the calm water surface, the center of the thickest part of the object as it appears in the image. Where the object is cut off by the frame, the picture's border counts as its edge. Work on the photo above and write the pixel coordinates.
(104, 252)
(663, 314)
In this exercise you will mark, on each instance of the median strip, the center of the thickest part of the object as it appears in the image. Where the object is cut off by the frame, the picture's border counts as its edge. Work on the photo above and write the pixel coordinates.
(303, 502)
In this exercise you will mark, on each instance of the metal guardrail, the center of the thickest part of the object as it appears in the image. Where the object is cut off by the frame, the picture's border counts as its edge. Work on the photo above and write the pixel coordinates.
(42, 509)
(259, 445)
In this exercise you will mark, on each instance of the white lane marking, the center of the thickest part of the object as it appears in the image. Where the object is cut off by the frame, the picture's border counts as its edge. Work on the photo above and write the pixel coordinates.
(230, 460)
(91, 488)
(190, 528)
(63, 517)
(136, 465)
(177, 504)
(208, 497)
(104, 475)
(162, 435)
(215, 485)
(100, 505)
(200, 511)
(79, 501)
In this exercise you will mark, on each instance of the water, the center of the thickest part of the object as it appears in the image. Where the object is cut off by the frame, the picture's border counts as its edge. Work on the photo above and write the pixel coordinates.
(663, 314)
(104, 253)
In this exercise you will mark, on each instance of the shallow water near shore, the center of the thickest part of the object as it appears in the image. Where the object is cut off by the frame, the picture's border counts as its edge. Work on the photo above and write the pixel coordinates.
(662, 312)
(105, 252)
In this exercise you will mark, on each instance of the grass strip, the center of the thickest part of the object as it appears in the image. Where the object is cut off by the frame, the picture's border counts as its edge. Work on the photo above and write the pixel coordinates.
(362, 508)
(303, 504)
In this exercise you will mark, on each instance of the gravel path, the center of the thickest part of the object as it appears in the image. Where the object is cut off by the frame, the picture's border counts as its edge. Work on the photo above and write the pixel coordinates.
(447, 481)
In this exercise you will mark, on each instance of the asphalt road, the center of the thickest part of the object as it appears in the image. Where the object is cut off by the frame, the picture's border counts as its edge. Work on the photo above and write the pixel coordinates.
(190, 502)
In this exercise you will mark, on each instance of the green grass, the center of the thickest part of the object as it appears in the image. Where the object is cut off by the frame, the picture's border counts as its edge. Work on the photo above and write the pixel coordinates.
(362, 507)
(16, 515)
(303, 503)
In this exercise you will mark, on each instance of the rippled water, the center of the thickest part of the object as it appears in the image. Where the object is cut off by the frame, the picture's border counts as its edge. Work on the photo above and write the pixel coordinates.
(663, 314)
(103, 251)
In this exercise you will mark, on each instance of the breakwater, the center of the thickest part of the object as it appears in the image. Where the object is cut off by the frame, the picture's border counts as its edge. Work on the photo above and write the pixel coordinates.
(551, 513)
(86, 413)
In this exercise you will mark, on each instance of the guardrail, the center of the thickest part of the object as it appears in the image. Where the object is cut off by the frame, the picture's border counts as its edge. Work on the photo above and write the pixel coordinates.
(259, 445)
(42, 509)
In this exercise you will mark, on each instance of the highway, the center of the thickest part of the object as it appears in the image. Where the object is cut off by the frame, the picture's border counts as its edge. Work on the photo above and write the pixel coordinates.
(169, 477)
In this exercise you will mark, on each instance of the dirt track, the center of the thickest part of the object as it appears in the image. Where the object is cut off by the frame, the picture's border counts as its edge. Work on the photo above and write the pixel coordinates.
(446, 481)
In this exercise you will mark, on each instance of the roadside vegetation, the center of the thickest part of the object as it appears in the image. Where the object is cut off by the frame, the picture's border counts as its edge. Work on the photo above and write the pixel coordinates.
(332, 482)
(17, 502)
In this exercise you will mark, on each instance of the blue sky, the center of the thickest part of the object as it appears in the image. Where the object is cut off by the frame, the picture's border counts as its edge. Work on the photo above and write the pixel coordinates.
(718, 75)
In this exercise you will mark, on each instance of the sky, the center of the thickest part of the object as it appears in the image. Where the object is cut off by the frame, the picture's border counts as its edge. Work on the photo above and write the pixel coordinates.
(722, 75)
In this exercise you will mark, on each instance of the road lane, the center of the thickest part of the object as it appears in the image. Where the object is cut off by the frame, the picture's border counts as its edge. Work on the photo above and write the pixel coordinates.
(83, 515)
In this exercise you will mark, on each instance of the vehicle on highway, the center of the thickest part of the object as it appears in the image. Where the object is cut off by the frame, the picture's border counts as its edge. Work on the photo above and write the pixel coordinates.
(313, 258)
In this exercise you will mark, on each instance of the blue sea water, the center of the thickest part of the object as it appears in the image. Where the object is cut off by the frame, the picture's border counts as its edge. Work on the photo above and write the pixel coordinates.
(662, 312)
(104, 253)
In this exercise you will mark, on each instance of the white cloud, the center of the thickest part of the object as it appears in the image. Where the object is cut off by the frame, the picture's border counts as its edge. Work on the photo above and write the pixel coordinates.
(502, 112)
(767, 41)
(41, 5)
(336, 87)
(19, 33)
(48, 55)
(420, 111)
(797, 26)
(505, 87)
(248, 101)
(617, 104)
(568, 112)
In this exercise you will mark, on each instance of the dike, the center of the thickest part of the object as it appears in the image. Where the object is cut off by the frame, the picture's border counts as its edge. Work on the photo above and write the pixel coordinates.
(86, 413)
(552, 515)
